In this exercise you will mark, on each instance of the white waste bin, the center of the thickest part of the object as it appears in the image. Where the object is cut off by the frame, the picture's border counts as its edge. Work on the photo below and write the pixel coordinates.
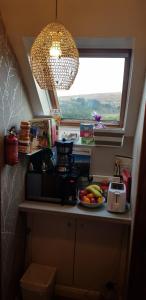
(38, 282)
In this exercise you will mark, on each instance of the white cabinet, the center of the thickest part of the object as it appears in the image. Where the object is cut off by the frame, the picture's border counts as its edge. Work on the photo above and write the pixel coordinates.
(52, 243)
(98, 253)
(86, 253)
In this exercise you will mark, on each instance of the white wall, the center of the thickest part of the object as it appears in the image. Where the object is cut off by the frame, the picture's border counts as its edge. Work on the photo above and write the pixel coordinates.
(137, 148)
(103, 158)
(84, 18)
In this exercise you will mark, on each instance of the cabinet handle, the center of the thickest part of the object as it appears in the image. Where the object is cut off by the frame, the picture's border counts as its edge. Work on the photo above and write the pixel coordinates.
(69, 224)
(82, 225)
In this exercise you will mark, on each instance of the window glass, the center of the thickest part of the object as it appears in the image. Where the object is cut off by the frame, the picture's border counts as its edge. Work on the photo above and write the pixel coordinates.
(97, 88)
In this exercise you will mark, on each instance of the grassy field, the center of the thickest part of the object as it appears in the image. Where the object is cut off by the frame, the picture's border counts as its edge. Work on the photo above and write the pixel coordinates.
(82, 107)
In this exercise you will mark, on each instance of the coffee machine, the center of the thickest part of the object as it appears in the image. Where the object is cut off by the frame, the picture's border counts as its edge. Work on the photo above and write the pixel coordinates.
(64, 156)
(67, 174)
(52, 175)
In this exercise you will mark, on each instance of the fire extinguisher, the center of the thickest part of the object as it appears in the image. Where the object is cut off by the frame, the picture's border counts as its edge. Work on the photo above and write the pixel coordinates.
(11, 147)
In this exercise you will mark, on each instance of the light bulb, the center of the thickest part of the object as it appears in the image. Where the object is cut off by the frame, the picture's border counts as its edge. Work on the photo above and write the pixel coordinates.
(55, 50)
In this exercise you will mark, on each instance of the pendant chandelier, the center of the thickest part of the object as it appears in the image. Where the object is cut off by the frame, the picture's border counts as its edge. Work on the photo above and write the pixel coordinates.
(54, 57)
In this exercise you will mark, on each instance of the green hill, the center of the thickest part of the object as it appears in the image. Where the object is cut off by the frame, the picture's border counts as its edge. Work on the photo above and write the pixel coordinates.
(82, 106)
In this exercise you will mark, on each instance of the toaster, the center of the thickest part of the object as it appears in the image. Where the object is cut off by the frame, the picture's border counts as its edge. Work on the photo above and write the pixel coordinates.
(116, 197)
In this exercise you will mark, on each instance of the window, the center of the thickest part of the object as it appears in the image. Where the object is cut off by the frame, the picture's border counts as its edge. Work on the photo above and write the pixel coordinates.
(100, 85)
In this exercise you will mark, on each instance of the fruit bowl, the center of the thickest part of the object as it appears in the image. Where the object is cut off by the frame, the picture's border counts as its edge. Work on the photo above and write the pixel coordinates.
(92, 205)
(91, 196)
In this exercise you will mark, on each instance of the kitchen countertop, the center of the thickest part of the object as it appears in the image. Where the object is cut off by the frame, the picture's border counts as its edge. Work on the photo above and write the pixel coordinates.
(98, 214)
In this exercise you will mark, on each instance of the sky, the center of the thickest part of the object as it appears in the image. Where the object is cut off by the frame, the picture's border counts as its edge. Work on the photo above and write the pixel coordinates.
(97, 75)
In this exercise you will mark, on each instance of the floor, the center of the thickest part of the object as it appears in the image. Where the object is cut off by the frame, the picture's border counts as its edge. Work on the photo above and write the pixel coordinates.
(63, 298)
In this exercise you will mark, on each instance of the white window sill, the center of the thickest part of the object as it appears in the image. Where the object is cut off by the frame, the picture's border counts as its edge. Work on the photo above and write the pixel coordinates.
(65, 132)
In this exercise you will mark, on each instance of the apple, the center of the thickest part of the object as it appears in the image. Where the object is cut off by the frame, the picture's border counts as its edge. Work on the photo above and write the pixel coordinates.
(82, 193)
(93, 200)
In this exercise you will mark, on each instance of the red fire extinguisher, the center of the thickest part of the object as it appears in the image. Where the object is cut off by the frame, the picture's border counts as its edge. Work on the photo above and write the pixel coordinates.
(11, 147)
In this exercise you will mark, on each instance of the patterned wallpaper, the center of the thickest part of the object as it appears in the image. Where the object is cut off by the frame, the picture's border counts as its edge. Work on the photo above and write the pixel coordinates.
(14, 107)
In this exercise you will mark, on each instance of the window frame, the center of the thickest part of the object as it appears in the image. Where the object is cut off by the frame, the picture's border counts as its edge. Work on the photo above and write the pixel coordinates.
(107, 53)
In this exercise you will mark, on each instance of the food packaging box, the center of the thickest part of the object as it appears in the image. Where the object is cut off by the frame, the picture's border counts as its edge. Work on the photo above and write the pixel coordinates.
(86, 130)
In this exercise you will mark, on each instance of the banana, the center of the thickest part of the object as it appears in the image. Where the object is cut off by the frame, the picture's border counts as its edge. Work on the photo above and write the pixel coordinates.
(94, 186)
(94, 191)
(97, 187)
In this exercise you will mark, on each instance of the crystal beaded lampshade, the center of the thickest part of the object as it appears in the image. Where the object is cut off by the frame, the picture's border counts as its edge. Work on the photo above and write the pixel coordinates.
(54, 58)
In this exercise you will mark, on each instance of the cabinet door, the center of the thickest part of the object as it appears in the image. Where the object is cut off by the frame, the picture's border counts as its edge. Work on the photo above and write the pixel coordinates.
(53, 244)
(97, 254)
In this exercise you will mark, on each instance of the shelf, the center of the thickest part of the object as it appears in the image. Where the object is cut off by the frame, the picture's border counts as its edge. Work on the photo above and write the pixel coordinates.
(98, 214)
(33, 152)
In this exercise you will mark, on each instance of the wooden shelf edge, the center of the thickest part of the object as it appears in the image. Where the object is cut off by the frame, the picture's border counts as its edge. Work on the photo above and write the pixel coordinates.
(101, 214)
(33, 152)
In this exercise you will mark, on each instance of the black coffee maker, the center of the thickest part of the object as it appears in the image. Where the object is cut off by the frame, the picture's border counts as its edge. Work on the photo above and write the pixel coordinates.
(66, 172)
(64, 157)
